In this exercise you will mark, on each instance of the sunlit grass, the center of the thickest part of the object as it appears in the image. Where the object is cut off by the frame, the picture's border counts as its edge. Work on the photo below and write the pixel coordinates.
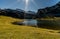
(10, 31)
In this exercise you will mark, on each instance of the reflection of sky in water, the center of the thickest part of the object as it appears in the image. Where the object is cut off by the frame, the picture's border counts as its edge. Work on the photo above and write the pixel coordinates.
(30, 22)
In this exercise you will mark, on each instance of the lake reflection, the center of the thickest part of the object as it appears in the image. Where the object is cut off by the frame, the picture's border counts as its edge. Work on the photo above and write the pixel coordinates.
(31, 22)
(34, 22)
(49, 24)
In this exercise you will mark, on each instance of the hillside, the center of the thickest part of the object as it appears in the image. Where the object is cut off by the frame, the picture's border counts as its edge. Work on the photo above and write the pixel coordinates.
(53, 11)
(10, 31)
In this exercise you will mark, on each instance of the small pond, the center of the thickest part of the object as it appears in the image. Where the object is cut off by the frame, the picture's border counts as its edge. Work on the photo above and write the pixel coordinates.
(49, 24)
(34, 22)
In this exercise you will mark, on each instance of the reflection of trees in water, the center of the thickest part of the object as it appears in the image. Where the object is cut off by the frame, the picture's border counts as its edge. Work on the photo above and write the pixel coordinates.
(50, 24)
(44, 22)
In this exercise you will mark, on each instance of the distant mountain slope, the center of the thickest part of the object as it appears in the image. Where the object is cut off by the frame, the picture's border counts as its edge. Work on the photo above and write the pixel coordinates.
(53, 11)
(18, 13)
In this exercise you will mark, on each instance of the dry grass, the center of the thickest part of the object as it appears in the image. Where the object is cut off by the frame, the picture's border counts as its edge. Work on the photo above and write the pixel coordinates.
(10, 31)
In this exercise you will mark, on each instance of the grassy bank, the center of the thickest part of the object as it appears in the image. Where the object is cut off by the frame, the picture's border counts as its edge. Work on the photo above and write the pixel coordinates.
(11, 31)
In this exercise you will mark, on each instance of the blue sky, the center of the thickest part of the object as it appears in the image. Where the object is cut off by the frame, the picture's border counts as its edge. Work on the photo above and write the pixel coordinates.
(33, 6)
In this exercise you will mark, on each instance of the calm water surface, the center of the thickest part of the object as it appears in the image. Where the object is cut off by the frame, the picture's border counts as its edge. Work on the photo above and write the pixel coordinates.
(41, 22)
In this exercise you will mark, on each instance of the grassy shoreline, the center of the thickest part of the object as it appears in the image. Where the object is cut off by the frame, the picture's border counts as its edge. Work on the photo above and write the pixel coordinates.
(10, 31)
